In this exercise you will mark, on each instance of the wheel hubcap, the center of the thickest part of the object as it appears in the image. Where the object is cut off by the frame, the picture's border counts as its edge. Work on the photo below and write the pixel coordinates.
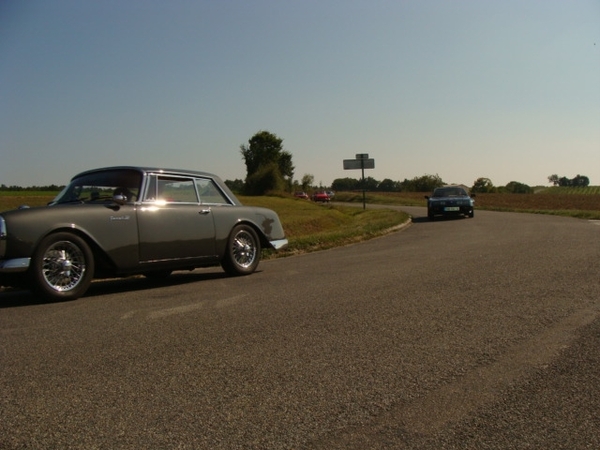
(63, 266)
(244, 250)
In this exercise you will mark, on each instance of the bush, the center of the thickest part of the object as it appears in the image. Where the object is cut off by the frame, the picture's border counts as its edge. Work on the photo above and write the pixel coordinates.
(267, 178)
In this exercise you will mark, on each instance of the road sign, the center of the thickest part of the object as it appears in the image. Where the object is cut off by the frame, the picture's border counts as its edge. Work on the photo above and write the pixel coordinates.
(362, 162)
(351, 164)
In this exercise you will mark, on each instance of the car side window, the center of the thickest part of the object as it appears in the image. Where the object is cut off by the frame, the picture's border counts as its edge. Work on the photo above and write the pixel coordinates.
(171, 189)
(210, 193)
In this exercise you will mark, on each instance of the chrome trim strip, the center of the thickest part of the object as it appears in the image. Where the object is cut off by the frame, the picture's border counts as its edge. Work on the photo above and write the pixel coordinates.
(279, 244)
(15, 265)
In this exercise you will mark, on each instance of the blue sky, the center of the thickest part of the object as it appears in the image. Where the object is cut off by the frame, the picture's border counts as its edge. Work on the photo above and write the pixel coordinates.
(508, 90)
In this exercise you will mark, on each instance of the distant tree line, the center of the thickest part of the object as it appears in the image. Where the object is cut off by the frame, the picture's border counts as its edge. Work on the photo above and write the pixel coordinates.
(485, 186)
(424, 183)
(52, 187)
(578, 181)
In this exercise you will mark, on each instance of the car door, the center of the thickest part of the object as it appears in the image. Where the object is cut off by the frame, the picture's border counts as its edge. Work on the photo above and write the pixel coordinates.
(172, 224)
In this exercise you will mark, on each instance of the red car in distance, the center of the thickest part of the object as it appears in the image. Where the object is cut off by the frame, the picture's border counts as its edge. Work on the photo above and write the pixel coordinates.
(302, 195)
(321, 197)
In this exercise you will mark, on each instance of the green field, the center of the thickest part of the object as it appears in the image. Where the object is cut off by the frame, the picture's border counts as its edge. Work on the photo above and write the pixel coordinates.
(14, 199)
(588, 190)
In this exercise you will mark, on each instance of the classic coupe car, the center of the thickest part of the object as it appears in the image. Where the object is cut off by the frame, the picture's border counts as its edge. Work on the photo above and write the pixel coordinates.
(121, 221)
(449, 201)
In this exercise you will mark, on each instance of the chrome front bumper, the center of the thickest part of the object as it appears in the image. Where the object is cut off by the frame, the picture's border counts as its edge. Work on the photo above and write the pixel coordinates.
(279, 244)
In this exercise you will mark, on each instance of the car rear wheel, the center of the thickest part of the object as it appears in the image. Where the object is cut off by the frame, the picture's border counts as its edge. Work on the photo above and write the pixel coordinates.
(62, 267)
(243, 251)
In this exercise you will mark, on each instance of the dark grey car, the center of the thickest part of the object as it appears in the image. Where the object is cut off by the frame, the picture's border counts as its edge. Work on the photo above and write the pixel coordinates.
(450, 201)
(120, 221)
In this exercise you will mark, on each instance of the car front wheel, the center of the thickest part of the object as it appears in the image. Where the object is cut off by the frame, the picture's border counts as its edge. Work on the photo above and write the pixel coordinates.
(62, 267)
(243, 251)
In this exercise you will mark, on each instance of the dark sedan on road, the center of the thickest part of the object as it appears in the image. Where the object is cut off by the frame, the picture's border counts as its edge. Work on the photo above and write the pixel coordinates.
(121, 221)
(450, 201)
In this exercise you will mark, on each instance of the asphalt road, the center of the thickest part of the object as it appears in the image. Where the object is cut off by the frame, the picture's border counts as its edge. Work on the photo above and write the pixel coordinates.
(455, 334)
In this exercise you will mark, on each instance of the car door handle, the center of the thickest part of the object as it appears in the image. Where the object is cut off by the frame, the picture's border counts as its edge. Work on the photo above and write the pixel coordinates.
(205, 211)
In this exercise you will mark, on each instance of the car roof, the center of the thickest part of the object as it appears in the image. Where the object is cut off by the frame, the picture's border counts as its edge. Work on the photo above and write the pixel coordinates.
(182, 172)
(151, 170)
(452, 186)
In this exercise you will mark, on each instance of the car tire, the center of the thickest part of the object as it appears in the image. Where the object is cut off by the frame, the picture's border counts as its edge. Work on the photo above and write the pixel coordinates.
(62, 267)
(242, 254)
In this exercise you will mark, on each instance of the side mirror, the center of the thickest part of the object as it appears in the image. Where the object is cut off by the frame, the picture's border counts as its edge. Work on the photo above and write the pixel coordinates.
(119, 199)
(427, 197)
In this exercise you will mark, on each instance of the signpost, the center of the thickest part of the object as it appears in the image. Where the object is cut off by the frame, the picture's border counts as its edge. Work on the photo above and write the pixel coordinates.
(361, 162)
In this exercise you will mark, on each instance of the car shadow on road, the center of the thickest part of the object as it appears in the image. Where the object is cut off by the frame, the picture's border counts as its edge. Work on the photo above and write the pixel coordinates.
(12, 297)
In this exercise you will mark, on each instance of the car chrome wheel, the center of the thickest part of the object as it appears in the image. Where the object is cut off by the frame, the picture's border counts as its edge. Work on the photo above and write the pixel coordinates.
(243, 251)
(63, 267)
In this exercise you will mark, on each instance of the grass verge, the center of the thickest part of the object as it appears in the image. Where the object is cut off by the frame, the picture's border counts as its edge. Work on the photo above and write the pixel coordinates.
(310, 226)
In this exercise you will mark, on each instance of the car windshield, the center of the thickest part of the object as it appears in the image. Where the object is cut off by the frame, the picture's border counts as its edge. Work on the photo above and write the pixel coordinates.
(449, 192)
(99, 186)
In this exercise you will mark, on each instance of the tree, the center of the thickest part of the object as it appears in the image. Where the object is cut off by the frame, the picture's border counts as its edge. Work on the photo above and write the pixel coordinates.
(387, 185)
(307, 181)
(236, 185)
(264, 157)
(424, 183)
(580, 181)
(483, 186)
(266, 178)
(514, 187)
(368, 184)
(564, 181)
(345, 184)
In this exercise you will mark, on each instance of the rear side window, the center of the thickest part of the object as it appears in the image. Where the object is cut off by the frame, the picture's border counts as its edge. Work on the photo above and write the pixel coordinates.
(210, 193)
(171, 190)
